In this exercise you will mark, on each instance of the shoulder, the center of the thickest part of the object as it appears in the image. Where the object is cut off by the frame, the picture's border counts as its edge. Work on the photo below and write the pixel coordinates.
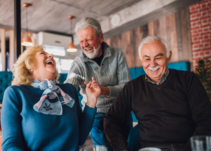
(182, 74)
(68, 88)
(17, 89)
(139, 81)
(116, 51)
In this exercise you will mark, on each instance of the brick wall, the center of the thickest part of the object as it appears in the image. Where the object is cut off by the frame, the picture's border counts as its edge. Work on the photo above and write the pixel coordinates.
(200, 21)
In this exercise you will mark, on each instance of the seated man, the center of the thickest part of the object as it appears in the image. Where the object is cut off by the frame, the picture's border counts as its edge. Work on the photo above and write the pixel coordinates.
(170, 105)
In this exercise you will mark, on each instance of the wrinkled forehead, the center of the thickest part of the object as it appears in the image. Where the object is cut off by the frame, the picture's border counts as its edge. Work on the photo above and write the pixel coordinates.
(153, 48)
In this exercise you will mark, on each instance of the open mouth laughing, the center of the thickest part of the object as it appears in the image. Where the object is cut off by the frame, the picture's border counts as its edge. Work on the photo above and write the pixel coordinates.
(50, 62)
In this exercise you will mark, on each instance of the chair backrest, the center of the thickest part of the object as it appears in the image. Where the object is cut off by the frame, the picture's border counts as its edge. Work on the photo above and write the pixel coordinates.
(5, 81)
(133, 139)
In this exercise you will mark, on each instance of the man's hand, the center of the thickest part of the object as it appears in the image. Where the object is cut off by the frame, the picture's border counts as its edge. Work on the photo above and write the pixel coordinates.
(93, 90)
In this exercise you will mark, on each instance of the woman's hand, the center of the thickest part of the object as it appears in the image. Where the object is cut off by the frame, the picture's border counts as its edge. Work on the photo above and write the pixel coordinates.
(92, 92)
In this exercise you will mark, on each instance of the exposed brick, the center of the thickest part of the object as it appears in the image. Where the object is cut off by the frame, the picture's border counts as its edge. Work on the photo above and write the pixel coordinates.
(197, 50)
(203, 18)
(206, 37)
(198, 7)
(206, 34)
(206, 49)
(199, 23)
(204, 6)
(194, 28)
(204, 26)
(203, 2)
(196, 43)
(200, 19)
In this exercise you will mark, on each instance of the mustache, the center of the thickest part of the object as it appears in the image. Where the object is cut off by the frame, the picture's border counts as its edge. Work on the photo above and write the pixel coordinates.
(88, 48)
(154, 69)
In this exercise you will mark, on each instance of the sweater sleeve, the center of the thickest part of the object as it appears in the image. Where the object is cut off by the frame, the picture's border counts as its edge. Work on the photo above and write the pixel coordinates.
(86, 119)
(114, 118)
(123, 75)
(11, 122)
(200, 107)
(75, 76)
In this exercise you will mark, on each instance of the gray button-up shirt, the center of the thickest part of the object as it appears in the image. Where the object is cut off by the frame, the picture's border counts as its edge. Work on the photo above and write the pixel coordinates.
(162, 79)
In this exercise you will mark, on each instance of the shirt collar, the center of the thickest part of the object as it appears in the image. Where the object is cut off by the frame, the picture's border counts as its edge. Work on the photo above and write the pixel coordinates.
(162, 79)
(106, 52)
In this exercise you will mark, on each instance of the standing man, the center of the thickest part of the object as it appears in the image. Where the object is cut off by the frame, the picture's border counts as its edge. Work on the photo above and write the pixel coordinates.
(170, 105)
(108, 66)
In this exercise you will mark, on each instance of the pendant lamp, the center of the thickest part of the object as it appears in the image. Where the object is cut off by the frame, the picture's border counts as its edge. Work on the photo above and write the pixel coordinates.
(26, 41)
(71, 47)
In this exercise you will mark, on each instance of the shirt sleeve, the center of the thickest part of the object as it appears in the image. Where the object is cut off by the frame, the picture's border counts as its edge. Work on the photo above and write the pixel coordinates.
(86, 119)
(200, 107)
(75, 76)
(11, 122)
(114, 118)
(123, 75)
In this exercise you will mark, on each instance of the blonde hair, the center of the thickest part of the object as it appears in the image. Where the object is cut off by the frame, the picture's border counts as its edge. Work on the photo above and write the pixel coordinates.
(24, 65)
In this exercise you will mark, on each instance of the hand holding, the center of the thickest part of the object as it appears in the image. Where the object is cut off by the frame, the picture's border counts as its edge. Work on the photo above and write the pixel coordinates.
(92, 92)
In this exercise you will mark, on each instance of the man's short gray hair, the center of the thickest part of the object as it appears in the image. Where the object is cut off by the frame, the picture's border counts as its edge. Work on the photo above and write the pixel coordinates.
(149, 39)
(88, 22)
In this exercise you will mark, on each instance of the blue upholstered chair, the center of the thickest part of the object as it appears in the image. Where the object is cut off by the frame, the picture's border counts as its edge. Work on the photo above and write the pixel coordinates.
(133, 139)
(5, 81)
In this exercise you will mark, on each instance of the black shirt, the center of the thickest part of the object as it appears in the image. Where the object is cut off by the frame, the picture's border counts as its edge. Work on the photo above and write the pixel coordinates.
(169, 113)
(98, 60)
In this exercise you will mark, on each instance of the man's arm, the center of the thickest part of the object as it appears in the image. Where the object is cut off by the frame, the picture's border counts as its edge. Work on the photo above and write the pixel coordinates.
(200, 106)
(114, 118)
(123, 76)
(75, 76)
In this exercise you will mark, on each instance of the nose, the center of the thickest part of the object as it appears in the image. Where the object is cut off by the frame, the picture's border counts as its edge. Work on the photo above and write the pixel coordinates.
(50, 55)
(85, 43)
(153, 63)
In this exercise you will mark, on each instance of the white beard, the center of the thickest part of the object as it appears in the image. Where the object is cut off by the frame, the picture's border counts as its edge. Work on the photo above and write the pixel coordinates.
(94, 54)
(154, 69)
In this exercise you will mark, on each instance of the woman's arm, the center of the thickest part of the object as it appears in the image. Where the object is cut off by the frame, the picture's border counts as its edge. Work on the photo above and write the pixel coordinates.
(87, 117)
(11, 121)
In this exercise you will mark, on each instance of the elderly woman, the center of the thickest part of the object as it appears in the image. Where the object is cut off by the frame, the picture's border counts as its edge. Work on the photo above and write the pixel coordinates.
(40, 114)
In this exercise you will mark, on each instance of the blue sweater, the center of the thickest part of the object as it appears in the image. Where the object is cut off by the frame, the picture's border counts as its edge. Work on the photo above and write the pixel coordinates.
(25, 129)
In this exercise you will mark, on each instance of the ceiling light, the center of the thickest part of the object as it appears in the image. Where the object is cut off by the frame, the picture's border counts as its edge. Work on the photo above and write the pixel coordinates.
(71, 47)
(26, 41)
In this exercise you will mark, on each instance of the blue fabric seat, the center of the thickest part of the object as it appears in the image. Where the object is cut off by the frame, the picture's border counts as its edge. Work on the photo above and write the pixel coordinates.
(133, 139)
(5, 81)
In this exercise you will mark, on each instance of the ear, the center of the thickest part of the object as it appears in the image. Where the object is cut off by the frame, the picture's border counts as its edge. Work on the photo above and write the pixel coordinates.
(169, 58)
(101, 37)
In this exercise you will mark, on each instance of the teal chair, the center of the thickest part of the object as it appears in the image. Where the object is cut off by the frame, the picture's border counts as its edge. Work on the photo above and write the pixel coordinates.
(133, 139)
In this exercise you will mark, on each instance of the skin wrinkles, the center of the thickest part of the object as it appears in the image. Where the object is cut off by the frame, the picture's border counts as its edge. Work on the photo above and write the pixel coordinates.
(155, 60)
(90, 42)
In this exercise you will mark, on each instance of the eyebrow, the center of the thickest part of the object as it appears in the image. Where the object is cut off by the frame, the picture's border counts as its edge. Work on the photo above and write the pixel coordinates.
(160, 54)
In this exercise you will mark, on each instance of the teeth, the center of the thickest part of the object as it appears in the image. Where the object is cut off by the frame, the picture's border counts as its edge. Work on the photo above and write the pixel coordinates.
(50, 62)
(154, 69)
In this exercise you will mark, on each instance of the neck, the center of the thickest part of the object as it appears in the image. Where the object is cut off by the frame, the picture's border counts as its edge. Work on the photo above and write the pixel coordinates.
(39, 77)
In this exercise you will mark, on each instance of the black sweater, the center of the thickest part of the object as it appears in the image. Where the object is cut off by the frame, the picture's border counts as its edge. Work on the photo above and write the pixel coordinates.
(169, 113)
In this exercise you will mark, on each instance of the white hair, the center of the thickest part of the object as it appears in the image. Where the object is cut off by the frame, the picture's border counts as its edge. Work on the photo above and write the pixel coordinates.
(149, 39)
(89, 22)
